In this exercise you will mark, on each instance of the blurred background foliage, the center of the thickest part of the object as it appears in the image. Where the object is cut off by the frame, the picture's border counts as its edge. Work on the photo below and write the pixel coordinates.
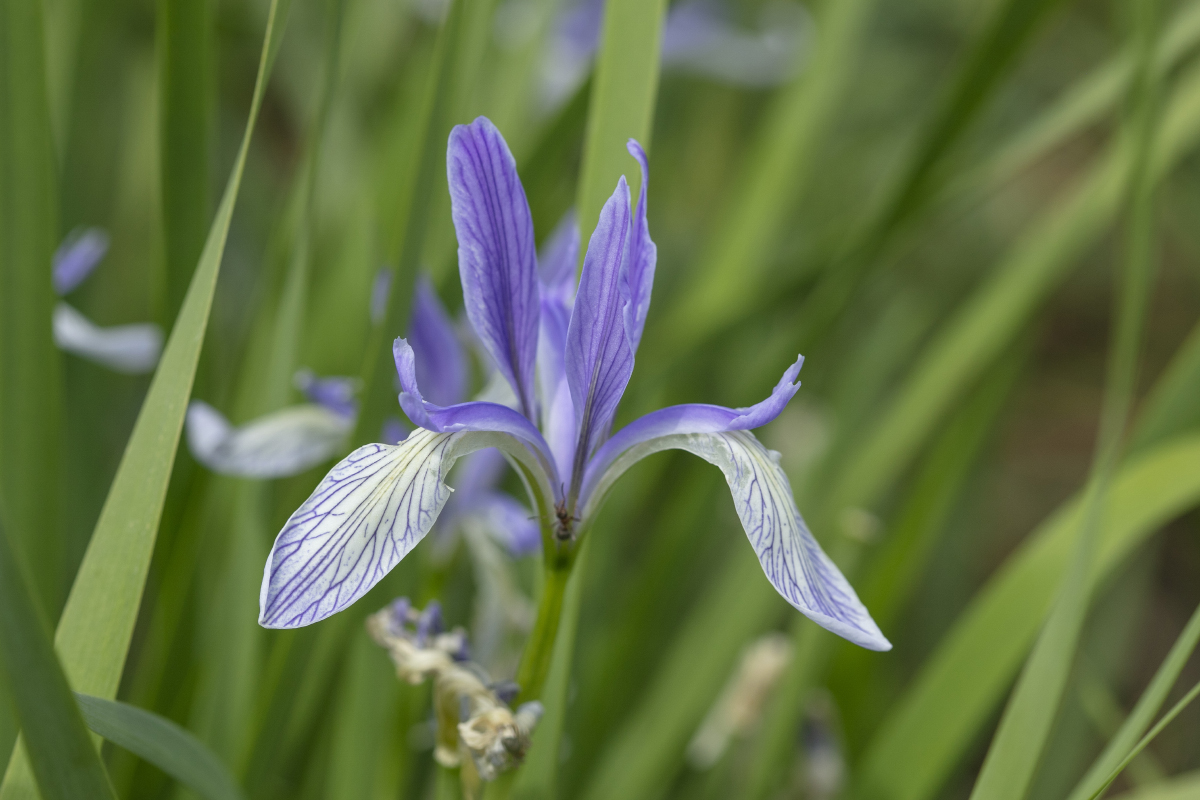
(931, 210)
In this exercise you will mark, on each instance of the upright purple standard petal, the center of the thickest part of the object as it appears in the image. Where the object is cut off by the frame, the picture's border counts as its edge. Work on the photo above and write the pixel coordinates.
(556, 267)
(558, 410)
(558, 258)
(643, 255)
(599, 359)
(474, 416)
(441, 362)
(496, 257)
(77, 256)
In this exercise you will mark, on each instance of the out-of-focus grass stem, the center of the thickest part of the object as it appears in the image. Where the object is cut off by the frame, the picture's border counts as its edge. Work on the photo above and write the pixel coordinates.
(30, 365)
(185, 69)
(1025, 726)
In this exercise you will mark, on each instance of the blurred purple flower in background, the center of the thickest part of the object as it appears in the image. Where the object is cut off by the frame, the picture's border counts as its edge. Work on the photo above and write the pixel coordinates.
(131, 349)
(698, 38)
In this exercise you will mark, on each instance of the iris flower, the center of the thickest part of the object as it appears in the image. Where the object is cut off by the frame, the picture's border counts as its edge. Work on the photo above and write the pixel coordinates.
(567, 361)
(132, 349)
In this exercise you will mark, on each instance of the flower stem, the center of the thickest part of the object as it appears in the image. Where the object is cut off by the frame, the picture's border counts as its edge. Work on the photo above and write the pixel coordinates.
(535, 662)
(448, 784)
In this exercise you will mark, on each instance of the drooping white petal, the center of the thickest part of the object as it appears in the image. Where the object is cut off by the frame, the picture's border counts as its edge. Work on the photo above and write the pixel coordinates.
(791, 558)
(132, 349)
(368, 513)
(277, 445)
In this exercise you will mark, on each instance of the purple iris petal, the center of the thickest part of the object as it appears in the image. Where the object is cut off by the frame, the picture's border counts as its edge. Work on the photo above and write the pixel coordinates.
(394, 431)
(474, 416)
(77, 256)
(557, 260)
(335, 393)
(496, 258)
(599, 359)
(692, 418)
(558, 410)
(441, 362)
(698, 38)
(643, 255)
(366, 515)
(509, 522)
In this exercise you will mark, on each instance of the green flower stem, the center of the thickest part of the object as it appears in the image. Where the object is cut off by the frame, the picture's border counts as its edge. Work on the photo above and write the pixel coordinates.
(448, 784)
(535, 662)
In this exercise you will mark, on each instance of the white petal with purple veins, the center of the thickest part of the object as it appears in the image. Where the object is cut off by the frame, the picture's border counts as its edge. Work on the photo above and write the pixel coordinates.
(277, 445)
(790, 556)
(132, 349)
(367, 514)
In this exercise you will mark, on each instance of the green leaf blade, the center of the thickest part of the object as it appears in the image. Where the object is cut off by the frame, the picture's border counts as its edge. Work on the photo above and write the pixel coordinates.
(161, 742)
(60, 752)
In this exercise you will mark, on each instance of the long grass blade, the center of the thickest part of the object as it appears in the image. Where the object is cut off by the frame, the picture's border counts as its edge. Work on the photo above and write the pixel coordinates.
(1171, 714)
(185, 75)
(624, 88)
(1114, 759)
(1181, 787)
(94, 632)
(1024, 729)
(30, 368)
(63, 760)
(161, 742)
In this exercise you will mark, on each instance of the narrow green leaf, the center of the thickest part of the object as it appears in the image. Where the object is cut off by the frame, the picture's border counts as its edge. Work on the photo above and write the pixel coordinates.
(960, 684)
(1120, 745)
(365, 699)
(1181, 787)
(624, 88)
(30, 367)
(185, 76)
(161, 742)
(1174, 711)
(64, 762)
(1020, 740)
(1171, 406)
(94, 631)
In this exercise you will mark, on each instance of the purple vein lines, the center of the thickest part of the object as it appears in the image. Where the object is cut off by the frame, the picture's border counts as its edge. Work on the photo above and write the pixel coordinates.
(366, 515)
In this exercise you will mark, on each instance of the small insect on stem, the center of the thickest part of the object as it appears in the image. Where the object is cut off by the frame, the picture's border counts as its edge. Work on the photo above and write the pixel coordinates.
(565, 521)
